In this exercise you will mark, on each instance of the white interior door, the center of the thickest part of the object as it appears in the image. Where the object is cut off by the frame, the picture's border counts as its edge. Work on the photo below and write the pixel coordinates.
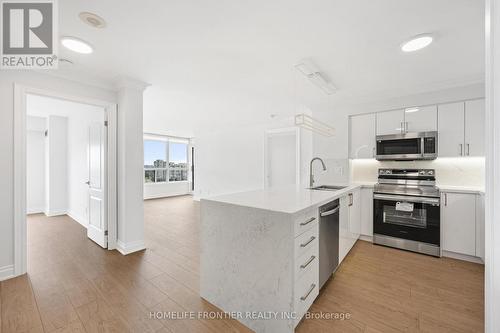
(98, 225)
(282, 167)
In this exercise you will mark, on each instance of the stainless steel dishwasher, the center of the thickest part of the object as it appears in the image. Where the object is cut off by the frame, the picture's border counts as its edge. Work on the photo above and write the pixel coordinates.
(328, 240)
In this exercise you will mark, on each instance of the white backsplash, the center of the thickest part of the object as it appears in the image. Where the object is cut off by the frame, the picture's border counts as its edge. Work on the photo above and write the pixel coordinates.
(466, 171)
(337, 172)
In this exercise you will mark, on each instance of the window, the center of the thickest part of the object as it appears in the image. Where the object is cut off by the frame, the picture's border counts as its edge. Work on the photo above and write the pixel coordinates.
(177, 162)
(165, 160)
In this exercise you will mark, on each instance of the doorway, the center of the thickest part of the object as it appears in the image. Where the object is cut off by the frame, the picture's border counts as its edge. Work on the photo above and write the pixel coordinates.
(282, 157)
(65, 165)
(66, 162)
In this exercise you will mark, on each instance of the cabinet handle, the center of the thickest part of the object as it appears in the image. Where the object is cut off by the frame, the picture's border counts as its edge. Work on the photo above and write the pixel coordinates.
(308, 242)
(303, 298)
(308, 221)
(468, 149)
(373, 152)
(304, 265)
(461, 146)
(446, 199)
(351, 199)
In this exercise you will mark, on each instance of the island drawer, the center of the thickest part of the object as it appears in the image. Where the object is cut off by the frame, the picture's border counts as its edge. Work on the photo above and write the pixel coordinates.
(306, 241)
(306, 291)
(307, 261)
(304, 220)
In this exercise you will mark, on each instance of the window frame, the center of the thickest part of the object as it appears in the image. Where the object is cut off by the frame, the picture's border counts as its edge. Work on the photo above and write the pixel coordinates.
(167, 140)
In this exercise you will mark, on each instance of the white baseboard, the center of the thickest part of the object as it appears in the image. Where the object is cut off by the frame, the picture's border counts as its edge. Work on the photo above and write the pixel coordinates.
(78, 218)
(131, 247)
(35, 210)
(460, 256)
(55, 213)
(6, 272)
(159, 196)
(366, 238)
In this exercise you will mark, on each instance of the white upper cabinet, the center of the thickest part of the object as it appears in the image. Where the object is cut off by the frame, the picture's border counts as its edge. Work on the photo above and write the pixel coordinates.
(421, 119)
(390, 122)
(461, 129)
(362, 134)
(474, 128)
(451, 119)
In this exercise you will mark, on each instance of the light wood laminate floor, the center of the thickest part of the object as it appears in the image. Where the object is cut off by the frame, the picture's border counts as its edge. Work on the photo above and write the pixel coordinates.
(73, 285)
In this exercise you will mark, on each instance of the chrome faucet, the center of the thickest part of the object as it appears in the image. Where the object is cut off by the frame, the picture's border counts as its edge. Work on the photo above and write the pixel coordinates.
(311, 177)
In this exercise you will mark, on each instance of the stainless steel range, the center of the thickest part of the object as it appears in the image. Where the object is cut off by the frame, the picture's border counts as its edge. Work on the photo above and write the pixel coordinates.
(406, 209)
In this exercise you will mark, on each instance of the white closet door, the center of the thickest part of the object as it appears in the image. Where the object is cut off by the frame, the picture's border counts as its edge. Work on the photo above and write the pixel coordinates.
(451, 120)
(98, 224)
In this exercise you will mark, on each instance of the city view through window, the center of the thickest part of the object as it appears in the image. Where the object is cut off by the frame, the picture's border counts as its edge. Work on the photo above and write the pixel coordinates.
(165, 161)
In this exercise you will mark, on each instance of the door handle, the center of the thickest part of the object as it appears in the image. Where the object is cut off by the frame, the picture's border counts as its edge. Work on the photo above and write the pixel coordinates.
(330, 212)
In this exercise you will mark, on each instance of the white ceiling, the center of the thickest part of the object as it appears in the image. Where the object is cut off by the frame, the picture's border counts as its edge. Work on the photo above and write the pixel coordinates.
(226, 61)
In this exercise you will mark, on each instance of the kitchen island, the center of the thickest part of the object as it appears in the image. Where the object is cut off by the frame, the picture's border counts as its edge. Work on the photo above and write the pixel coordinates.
(259, 254)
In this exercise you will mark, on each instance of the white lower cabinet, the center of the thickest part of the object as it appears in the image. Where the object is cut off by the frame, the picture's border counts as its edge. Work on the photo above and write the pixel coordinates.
(366, 211)
(349, 222)
(461, 223)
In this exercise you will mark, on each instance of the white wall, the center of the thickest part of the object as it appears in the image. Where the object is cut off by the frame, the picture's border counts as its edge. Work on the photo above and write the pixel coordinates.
(35, 165)
(232, 159)
(162, 190)
(56, 166)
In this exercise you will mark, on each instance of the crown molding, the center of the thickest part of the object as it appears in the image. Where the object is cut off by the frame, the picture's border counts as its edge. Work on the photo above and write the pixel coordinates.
(126, 82)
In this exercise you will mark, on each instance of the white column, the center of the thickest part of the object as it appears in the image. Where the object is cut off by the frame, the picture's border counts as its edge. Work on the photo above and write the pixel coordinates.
(130, 162)
(492, 225)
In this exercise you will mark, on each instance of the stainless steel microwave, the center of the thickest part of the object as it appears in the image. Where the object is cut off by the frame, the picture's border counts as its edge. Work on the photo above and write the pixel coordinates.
(407, 146)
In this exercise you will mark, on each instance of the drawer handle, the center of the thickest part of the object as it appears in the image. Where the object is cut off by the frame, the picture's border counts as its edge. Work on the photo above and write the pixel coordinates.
(308, 242)
(308, 262)
(303, 298)
(308, 221)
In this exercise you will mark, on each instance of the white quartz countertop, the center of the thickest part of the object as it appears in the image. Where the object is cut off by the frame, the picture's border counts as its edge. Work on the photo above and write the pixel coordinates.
(285, 200)
(461, 189)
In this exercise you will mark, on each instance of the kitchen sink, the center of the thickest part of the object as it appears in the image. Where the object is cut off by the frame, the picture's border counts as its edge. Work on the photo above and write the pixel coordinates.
(328, 188)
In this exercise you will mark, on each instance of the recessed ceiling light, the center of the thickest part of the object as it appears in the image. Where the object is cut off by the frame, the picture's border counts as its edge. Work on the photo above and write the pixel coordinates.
(92, 19)
(416, 43)
(76, 45)
(412, 110)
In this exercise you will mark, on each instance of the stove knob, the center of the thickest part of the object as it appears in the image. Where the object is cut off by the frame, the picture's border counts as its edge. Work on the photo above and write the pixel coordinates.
(421, 172)
(430, 172)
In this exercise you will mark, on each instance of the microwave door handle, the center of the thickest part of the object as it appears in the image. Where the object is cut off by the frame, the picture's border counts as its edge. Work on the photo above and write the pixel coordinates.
(422, 146)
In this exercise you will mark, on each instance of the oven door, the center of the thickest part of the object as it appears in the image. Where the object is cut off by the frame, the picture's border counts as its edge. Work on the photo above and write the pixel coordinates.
(407, 217)
(398, 148)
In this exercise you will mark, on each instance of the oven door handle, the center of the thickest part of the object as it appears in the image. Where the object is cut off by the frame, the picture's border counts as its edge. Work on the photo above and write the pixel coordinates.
(390, 197)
